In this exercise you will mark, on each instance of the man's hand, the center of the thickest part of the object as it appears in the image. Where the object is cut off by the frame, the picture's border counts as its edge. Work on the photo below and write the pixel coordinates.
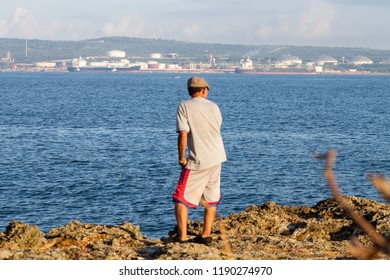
(183, 162)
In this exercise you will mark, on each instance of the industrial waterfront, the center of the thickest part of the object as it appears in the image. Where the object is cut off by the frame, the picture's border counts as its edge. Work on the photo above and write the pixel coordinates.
(127, 55)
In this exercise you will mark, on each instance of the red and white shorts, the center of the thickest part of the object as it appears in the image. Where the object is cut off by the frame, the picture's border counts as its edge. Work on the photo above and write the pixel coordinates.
(195, 185)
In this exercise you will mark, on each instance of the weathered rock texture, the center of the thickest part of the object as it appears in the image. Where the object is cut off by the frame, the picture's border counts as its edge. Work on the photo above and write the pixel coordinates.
(267, 231)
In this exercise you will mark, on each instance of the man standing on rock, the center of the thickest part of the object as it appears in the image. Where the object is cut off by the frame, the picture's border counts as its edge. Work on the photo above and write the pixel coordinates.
(198, 124)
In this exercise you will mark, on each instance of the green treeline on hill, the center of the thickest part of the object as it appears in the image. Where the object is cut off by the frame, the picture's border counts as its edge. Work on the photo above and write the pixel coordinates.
(45, 50)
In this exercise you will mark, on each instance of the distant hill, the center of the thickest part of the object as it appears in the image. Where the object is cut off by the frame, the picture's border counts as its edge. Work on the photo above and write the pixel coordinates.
(43, 50)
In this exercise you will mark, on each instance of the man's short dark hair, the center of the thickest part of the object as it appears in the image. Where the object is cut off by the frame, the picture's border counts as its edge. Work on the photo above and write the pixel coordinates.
(193, 90)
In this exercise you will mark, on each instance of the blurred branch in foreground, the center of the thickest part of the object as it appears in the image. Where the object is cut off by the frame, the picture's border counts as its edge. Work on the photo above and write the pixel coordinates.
(382, 184)
(223, 232)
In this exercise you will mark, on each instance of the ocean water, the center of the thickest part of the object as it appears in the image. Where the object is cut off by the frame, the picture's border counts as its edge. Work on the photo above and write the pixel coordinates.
(101, 148)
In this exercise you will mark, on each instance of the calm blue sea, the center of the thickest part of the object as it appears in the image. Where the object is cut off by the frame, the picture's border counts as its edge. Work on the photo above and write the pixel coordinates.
(101, 148)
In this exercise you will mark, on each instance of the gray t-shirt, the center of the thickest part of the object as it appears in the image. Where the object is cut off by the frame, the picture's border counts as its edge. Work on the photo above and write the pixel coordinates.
(202, 120)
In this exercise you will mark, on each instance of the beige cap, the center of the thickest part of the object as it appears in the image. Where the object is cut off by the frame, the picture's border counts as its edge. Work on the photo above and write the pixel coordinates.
(197, 82)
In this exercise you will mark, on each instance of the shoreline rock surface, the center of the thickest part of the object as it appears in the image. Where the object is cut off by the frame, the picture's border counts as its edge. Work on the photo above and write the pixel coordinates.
(268, 231)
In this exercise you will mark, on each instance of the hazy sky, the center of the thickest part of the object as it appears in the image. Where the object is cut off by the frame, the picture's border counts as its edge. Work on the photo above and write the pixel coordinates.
(334, 23)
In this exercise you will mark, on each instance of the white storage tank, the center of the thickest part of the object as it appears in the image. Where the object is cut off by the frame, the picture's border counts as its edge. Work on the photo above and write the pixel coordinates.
(116, 53)
(325, 59)
(360, 60)
(156, 55)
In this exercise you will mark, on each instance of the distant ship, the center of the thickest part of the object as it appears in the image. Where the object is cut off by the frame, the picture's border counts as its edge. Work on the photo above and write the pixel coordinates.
(272, 71)
(246, 67)
(104, 64)
(134, 68)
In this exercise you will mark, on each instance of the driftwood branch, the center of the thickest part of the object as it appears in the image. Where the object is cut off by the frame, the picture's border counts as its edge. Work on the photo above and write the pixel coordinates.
(383, 185)
(223, 232)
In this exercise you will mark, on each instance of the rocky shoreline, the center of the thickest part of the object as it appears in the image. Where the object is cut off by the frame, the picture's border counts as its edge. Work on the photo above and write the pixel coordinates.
(268, 231)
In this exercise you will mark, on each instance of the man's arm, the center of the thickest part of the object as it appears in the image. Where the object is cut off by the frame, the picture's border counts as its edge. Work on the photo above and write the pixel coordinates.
(182, 146)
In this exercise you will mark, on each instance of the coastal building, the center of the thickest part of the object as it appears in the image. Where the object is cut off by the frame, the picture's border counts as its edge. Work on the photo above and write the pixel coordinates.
(8, 58)
(172, 55)
(385, 61)
(172, 66)
(7, 62)
(153, 64)
(45, 64)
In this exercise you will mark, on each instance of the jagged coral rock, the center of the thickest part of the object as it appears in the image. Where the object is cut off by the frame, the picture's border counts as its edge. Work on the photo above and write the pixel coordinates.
(267, 231)
(19, 235)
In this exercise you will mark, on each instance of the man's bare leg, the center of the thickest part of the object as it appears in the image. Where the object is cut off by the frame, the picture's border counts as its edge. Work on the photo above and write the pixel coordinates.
(209, 217)
(181, 213)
